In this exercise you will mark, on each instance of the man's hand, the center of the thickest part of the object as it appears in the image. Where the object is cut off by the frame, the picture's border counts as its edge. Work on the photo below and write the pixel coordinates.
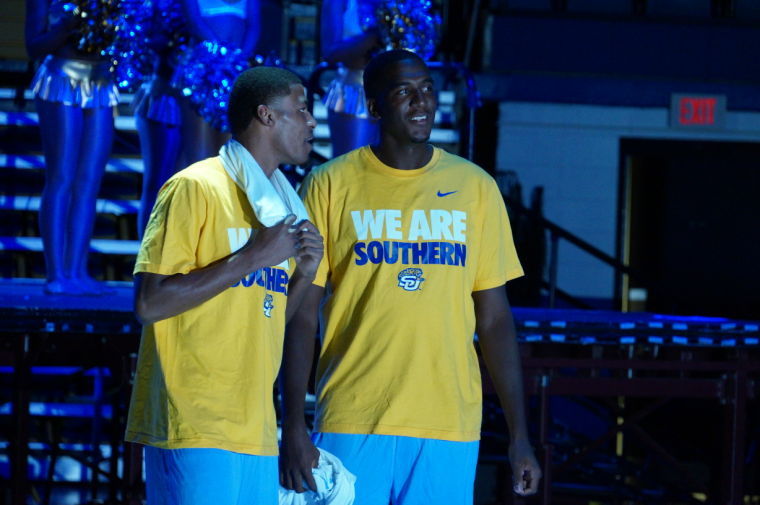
(271, 246)
(310, 248)
(526, 473)
(66, 17)
(297, 457)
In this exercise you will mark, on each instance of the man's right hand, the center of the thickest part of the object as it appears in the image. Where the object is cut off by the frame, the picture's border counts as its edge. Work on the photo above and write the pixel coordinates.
(297, 457)
(273, 245)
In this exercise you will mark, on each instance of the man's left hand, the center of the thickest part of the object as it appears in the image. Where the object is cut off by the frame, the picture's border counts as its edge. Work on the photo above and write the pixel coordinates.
(526, 473)
(309, 249)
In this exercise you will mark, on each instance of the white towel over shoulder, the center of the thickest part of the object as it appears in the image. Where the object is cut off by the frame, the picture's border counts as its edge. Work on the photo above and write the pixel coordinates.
(272, 198)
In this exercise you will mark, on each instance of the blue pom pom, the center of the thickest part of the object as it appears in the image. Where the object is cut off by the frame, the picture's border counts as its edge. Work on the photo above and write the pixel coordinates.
(96, 21)
(146, 29)
(411, 24)
(206, 73)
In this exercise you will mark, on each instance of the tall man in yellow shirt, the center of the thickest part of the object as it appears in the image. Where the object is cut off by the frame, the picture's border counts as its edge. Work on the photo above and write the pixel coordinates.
(418, 249)
(213, 288)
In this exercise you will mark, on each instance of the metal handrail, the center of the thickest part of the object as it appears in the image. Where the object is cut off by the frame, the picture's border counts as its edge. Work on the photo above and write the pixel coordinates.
(556, 233)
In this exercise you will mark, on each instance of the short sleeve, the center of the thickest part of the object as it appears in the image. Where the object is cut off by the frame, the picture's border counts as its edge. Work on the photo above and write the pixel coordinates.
(316, 203)
(497, 257)
(170, 242)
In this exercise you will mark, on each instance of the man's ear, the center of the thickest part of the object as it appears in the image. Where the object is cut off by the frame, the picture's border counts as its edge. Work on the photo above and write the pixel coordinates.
(264, 114)
(373, 108)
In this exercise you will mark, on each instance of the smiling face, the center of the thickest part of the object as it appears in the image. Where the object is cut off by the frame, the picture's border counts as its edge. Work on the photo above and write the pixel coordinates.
(407, 106)
(293, 127)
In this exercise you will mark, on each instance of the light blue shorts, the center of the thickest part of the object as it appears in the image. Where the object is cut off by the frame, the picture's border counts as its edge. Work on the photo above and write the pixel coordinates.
(405, 470)
(209, 476)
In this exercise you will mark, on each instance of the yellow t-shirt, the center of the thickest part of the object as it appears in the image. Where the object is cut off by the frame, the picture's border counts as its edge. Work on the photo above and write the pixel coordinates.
(404, 250)
(205, 377)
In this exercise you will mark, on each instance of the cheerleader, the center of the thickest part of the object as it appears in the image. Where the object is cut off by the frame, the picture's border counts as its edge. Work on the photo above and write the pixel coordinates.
(157, 103)
(347, 44)
(232, 23)
(75, 97)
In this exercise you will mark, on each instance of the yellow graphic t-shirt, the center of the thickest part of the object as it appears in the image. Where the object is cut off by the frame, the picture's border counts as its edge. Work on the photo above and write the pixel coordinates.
(205, 377)
(404, 250)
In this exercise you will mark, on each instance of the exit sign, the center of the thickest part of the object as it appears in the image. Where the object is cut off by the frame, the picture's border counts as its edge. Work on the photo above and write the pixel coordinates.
(697, 111)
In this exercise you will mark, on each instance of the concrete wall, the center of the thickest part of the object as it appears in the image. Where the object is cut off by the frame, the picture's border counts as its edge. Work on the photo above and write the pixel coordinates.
(573, 151)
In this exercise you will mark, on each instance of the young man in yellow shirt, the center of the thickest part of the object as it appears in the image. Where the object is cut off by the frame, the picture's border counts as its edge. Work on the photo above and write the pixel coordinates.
(214, 285)
(418, 249)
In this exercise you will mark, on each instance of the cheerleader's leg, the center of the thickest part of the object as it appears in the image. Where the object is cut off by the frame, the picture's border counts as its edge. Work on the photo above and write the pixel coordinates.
(60, 128)
(347, 132)
(96, 139)
(199, 139)
(160, 145)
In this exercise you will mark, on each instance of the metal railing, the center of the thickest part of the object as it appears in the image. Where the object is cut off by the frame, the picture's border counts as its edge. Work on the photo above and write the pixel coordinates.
(557, 233)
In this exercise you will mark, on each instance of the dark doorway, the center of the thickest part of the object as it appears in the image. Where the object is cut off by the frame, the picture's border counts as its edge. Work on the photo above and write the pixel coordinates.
(689, 222)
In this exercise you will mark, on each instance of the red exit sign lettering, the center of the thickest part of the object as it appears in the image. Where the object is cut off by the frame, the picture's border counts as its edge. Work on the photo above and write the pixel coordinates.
(697, 111)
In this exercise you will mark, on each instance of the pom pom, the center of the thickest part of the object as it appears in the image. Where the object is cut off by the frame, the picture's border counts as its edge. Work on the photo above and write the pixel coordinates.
(132, 59)
(410, 25)
(97, 22)
(205, 74)
(146, 30)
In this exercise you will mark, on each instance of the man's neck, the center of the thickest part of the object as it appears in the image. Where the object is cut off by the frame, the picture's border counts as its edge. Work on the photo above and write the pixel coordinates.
(262, 156)
(409, 156)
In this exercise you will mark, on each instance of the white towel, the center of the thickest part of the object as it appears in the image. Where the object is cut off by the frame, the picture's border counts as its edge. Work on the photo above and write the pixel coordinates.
(272, 198)
(335, 485)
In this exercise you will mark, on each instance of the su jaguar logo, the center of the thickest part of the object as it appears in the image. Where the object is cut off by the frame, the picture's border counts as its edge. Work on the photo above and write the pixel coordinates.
(410, 279)
(268, 305)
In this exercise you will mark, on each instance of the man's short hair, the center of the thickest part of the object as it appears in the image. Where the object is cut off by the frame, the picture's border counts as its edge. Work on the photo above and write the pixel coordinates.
(253, 87)
(375, 73)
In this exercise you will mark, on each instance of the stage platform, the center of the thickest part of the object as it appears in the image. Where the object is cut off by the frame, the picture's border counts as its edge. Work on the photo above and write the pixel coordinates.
(24, 301)
(53, 344)
(66, 364)
(29, 294)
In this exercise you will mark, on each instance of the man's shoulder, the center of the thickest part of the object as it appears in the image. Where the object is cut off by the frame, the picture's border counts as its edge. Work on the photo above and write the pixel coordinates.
(338, 166)
(344, 161)
(205, 174)
(201, 170)
(463, 166)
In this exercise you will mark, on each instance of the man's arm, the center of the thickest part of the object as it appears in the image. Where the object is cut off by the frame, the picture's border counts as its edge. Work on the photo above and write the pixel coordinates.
(252, 27)
(42, 39)
(351, 51)
(498, 345)
(297, 454)
(159, 297)
(196, 25)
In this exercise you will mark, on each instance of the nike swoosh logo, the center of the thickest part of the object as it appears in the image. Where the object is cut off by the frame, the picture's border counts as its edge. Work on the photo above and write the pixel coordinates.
(446, 194)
